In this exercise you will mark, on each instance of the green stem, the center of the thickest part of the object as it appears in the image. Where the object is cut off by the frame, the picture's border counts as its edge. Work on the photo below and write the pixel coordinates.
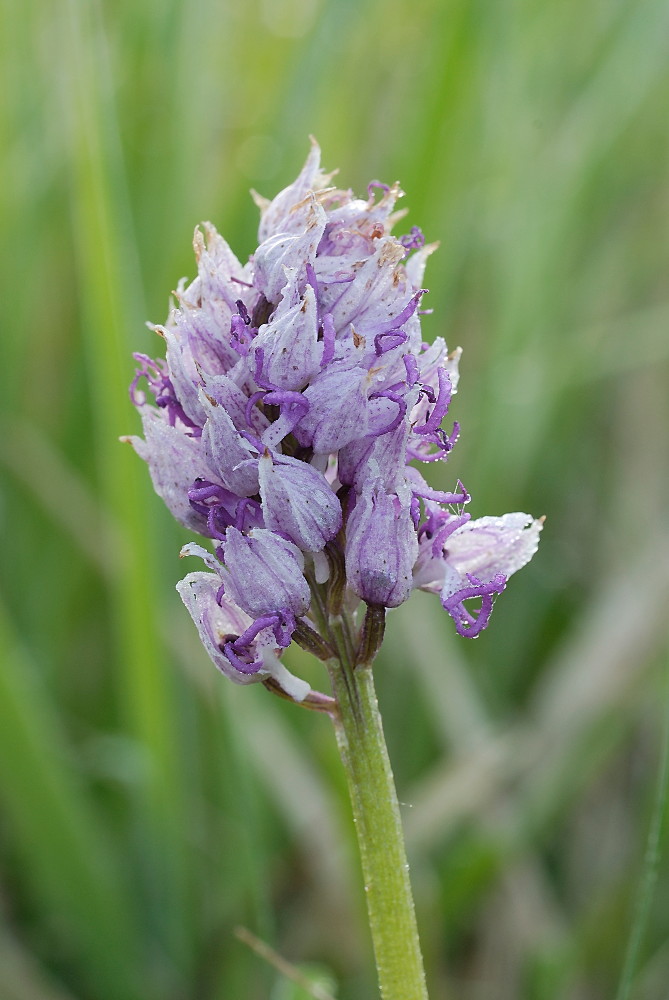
(379, 829)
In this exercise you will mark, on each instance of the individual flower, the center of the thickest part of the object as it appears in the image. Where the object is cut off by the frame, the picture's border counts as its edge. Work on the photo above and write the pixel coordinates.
(287, 424)
(239, 647)
(462, 560)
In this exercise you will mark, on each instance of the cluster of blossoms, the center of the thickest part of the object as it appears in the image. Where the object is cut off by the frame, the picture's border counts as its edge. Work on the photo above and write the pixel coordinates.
(295, 396)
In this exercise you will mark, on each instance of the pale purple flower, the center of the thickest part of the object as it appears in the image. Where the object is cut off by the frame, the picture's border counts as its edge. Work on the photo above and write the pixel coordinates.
(287, 423)
(236, 648)
(461, 560)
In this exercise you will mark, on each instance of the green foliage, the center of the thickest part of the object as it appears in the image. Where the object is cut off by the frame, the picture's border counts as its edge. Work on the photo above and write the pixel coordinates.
(147, 807)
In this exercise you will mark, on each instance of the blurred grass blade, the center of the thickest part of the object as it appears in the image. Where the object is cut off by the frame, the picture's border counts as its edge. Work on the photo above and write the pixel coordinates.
(70, 503)
(112, 312)
(22, 977)
(70, 872)
(651, 864)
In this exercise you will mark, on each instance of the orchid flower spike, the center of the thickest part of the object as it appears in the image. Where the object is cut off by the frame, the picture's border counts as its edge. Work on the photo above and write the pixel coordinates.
(287, 423)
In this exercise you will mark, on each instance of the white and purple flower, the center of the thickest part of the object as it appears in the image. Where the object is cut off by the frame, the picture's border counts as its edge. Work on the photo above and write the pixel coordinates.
(283, 424)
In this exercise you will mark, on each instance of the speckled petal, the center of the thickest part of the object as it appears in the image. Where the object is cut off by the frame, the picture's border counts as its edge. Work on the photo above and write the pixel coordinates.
(263, 573)
(285, 251)
(283, 214)
(298, 501)
(290, 344)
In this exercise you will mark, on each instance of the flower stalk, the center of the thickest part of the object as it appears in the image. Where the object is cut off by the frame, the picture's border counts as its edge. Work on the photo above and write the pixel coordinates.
(378, 825)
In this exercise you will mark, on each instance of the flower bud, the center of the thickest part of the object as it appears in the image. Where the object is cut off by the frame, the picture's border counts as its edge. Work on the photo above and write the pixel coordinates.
(381, 547)
(298, 501)
(263, 573)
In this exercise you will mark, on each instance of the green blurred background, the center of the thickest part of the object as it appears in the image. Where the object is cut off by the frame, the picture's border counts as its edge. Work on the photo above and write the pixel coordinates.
(147, 806)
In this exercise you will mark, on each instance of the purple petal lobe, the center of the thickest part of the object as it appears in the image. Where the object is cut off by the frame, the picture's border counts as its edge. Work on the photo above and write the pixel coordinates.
(470, 624)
